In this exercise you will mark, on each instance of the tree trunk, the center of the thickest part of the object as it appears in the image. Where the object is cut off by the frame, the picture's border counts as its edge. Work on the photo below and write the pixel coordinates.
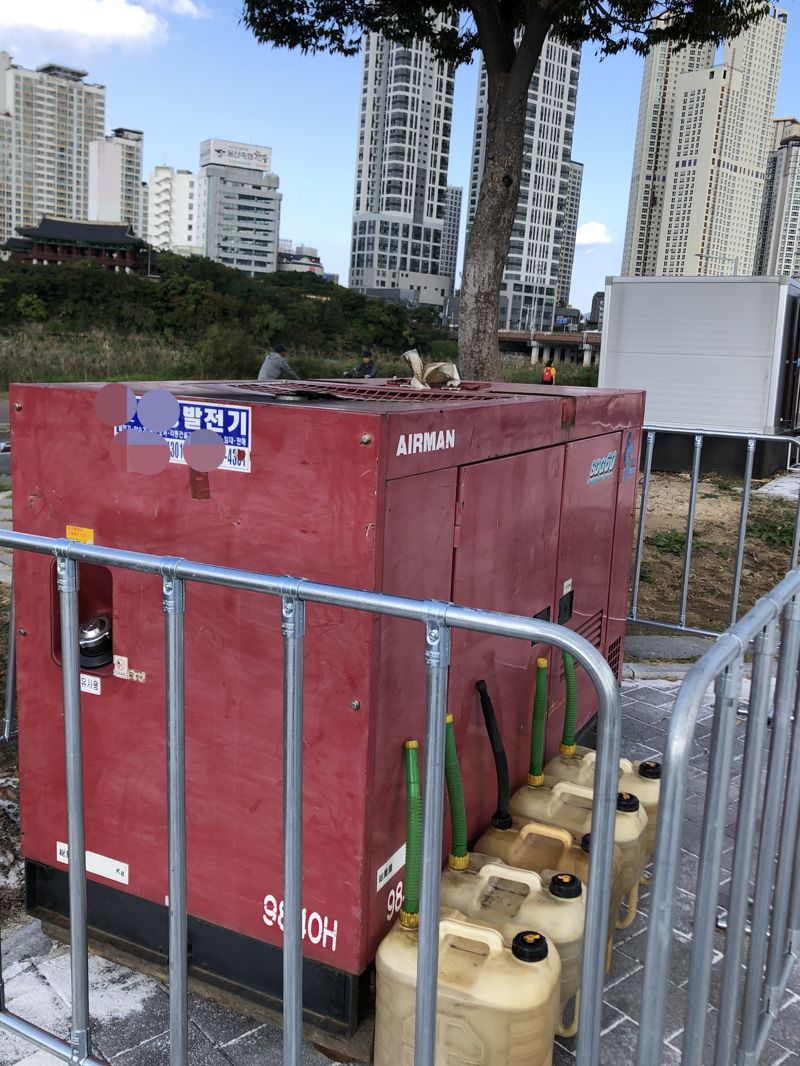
(490, 233)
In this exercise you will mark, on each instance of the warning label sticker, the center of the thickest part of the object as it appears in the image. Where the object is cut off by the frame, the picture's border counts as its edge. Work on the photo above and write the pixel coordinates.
(232, 422)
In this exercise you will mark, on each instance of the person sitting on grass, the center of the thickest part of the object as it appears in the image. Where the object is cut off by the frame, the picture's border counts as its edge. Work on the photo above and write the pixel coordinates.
(367, 368)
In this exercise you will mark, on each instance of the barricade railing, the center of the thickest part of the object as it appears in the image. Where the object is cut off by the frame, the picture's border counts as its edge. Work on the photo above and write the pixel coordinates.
(438, 620)
(764, 904)
(792, 445)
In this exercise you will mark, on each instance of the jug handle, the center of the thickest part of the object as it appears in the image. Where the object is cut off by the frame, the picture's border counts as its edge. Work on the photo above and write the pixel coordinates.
(466, 931)
(511, 873)
(571, 789)
(542, 830)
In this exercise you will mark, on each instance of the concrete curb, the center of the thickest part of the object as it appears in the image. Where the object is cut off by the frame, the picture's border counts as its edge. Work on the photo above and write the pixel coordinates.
(661, 671)
(655, 671)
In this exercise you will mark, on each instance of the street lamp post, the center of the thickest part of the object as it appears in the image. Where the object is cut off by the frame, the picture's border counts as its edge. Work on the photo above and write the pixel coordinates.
(721, 259)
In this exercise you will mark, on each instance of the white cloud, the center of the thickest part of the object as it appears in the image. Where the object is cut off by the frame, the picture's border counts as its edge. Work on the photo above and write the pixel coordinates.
(188, 8)
(594, 233)
(44, 30)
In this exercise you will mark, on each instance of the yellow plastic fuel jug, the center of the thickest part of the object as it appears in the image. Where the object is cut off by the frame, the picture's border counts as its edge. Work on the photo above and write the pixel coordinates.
(569, 806)
(513, 900)
(538, 847)
(496, 1004)
(643, 779)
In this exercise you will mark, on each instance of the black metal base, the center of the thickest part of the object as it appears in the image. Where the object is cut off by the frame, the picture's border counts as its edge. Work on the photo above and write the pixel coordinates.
(332, 1000)
(720, 455)
(587, 735)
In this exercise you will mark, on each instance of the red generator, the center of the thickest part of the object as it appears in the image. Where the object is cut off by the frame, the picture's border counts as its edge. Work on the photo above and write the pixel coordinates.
(504, 497)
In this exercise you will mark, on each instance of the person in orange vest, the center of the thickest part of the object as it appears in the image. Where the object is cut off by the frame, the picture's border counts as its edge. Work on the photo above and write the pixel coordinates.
(549, 374)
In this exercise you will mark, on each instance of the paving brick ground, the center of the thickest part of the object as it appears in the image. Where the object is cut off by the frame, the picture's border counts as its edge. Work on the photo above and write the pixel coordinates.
(131, 1010)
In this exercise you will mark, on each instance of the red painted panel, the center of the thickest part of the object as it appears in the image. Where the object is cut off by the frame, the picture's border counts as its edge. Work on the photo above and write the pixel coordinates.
(586, 539)
(506, 556)
(624, 525)
(418, 559)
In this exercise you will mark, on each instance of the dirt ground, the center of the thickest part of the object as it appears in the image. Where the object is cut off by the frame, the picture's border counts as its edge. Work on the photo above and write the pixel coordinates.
(766, 556)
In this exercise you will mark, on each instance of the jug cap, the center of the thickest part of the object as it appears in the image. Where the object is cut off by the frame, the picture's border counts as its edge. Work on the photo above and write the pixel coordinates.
(586, 842)
(650, 769)
(566, 886)
(627, 802)
(502, 821)
(529, 947)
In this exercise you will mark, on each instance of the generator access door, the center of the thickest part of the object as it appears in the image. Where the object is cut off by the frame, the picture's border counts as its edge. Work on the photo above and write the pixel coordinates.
(504, 559)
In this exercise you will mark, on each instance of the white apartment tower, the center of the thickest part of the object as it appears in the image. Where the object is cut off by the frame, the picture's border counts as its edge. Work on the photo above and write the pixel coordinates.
(530, 282)
(778, 249)
(572, 206)
(452, 224)
(115, 179)
(49, 117)
(663, 66)
(176, 211)
(702, 145)
(242, 205)
(401, 173)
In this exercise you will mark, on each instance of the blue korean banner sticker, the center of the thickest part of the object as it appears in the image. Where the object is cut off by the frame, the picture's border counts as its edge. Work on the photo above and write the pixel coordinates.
(231, 422)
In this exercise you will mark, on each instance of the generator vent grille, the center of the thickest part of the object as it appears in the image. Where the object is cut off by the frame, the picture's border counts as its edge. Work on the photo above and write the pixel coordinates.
(592, 628)
(614, 655)
(354, 391)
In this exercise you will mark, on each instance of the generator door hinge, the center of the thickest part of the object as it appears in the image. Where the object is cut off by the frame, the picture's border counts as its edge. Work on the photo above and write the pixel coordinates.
(457, 523)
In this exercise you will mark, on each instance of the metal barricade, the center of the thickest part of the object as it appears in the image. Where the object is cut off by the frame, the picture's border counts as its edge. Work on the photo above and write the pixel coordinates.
(438, 619)
(792, 444)
(766, 858)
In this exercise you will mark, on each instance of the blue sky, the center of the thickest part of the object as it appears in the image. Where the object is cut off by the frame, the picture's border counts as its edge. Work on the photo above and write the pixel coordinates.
(185, 70)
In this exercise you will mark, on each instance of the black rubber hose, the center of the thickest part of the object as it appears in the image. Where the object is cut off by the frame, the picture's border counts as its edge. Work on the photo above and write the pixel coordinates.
(501, 819)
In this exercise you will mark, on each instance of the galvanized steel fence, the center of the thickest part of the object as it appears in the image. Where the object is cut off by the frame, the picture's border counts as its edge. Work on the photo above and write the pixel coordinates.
(764, 886)
(792, 445)
(438, 620)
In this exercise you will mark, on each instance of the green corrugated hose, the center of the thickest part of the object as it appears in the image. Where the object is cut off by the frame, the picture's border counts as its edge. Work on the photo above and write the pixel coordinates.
(458, 859)
(568, 737)
(409, 915)
(536, 769)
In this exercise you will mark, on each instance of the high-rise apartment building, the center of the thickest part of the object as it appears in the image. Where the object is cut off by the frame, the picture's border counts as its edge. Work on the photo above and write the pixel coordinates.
(401, 173)
(572, 206)
(452, 224)
(50, 117)
(778, 250)
(663, 66)
(115, 179)
(242, 205)
(700, 160)
(176, 211)
(533, 266)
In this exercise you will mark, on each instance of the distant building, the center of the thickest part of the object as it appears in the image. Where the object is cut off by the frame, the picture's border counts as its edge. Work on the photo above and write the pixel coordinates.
(116, 192)
(176, 211)
(301, 259)
(54, 241)
(242, 205)
(595, 318)
(778, 249)
(569, 232)
(530, 284)
(401, 173)
(702, 142)
(567, 319)
(48, 119)
(452, 225)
